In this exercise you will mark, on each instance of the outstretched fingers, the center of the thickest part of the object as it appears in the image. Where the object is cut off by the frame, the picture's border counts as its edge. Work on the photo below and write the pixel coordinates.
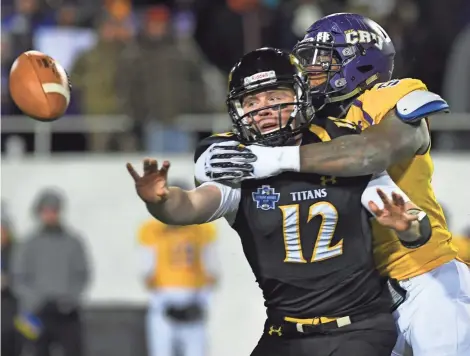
(150, 166)
(385, 200)
(163, 172)
(132, 172)
(375, 209)
(398, 200)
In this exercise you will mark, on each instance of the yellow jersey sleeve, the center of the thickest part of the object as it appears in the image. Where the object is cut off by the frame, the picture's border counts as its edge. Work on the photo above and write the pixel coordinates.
(378, 101)
(148, 233)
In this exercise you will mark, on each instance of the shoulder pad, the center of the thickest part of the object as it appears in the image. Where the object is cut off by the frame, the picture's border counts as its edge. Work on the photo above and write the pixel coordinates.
(383, 97)
(419, 104)
(206, 142)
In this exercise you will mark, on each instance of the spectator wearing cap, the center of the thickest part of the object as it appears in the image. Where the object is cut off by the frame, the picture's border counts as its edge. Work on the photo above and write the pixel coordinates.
(50, 274)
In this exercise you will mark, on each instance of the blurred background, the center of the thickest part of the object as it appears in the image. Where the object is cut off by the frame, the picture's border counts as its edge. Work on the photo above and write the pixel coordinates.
(149, 78)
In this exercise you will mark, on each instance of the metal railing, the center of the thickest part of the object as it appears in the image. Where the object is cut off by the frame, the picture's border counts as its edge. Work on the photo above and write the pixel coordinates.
(217, 122)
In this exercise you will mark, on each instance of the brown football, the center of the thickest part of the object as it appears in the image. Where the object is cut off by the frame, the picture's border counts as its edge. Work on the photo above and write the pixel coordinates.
(39, 86)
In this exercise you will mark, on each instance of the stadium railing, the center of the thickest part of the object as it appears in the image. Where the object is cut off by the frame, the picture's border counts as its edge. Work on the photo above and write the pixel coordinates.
(213, 122)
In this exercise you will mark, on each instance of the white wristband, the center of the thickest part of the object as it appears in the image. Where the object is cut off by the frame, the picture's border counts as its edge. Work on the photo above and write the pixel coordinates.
(289, 158)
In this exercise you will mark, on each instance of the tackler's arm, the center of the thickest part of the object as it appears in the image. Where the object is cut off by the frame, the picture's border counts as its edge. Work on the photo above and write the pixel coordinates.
(400, 135)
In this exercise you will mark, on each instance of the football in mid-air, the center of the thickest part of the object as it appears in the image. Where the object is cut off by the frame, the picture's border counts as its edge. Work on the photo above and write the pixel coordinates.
(39, 86)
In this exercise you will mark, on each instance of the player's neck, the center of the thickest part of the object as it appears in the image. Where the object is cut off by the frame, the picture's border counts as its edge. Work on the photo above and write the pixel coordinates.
(338, 111)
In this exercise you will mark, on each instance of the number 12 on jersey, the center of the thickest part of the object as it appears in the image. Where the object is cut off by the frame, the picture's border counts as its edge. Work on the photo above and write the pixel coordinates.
(291, 232)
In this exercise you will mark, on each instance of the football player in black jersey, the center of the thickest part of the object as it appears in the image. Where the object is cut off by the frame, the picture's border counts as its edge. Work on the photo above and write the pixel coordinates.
(306, 236)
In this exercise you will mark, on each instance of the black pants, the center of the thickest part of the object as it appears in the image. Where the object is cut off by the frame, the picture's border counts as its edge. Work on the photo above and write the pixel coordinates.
(375, 336)
(11, 340)
(64, 330)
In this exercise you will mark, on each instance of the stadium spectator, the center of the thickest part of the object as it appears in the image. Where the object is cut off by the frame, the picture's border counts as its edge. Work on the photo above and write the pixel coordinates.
(178, 270)
(95, 74)
(28, 16)
(161, 83)
(50, 275)
(457, 73)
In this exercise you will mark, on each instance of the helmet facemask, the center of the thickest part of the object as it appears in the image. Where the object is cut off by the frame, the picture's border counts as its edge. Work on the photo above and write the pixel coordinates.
(284, 119)
(329, 61)
(324, 65)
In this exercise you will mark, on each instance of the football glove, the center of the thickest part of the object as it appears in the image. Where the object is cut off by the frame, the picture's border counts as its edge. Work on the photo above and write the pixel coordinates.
(233, 162)
(225, 161)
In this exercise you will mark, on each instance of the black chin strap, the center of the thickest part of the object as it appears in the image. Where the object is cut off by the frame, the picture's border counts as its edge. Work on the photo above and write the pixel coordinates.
(291, 141)
(283, 139)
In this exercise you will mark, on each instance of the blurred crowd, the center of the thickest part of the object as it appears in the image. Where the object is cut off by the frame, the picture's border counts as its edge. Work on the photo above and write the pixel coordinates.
(153, 61)
(45, 274)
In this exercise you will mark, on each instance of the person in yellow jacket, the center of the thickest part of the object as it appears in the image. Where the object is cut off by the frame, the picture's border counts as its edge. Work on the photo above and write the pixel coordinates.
(178, 270)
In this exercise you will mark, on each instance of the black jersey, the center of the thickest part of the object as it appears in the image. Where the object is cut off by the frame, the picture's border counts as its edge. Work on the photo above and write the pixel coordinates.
(307, 238)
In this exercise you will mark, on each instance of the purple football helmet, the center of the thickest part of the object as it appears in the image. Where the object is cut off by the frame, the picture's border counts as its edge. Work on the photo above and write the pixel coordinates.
(344, 54)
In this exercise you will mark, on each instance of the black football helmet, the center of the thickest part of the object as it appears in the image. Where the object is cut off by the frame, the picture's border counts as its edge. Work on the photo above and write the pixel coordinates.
(262, 70)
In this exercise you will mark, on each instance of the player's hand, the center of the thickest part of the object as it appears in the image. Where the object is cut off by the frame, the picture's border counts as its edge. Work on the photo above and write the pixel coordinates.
(229, 162)
(393, 215)
(233, 162)
(152, 186)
